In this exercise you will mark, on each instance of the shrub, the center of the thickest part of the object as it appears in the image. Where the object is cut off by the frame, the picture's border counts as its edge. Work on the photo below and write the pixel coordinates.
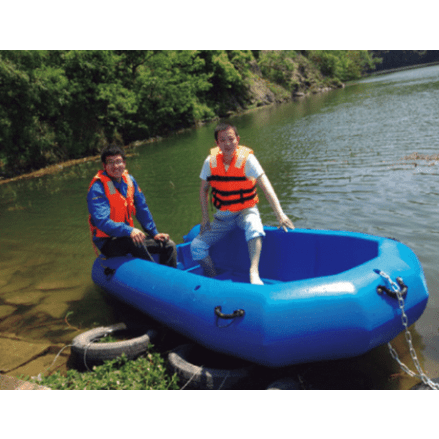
(147, 372)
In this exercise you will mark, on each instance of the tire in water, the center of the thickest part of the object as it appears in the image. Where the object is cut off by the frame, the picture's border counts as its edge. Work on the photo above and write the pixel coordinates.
(422, 386)
(87, 353)
(285, 384)
(194, 373)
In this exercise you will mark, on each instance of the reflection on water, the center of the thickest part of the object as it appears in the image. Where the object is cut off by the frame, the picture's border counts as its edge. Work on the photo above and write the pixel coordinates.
(336, 161)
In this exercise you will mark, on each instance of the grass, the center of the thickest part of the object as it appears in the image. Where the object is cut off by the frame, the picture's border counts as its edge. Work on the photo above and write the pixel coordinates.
(147, 372)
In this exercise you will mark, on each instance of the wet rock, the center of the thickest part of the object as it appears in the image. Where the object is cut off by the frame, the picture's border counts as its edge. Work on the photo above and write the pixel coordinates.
(26, 298)
(17, 352)
(16, 285)
(57, 310)
(6, 310)
(45, 364)
(58, 284)
(11, 383)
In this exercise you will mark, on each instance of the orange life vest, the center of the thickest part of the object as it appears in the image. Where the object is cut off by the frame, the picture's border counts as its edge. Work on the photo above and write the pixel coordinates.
(122, 209)
(231, 189)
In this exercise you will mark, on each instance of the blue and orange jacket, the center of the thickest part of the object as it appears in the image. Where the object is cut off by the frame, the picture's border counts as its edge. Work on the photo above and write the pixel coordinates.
(113, 205)
(122, 209)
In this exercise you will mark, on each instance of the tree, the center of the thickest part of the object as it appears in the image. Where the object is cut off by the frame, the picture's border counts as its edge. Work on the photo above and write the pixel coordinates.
(28, 91)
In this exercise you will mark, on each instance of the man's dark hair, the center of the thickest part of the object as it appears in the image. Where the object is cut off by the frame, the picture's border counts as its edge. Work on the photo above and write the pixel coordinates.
(224, 127)
(111, 150)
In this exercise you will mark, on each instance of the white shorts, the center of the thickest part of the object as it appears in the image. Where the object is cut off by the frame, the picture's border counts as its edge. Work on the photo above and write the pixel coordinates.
(224, 222)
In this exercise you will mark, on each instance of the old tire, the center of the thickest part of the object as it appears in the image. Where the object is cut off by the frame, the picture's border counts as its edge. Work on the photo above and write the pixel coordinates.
(87, 353)
(422, 386)
(285, 384)
(188, 362)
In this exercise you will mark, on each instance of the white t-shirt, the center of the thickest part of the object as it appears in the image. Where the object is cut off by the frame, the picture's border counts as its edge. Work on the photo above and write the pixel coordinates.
(252, 168)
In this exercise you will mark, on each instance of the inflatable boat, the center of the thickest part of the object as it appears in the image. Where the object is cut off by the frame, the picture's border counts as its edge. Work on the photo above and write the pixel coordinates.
(326, 295)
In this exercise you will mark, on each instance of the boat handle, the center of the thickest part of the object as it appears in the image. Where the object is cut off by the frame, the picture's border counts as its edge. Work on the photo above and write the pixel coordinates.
(382, 289)
(236, 313)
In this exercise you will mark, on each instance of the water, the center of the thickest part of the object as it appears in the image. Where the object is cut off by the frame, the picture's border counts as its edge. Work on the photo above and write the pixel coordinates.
(336, 161)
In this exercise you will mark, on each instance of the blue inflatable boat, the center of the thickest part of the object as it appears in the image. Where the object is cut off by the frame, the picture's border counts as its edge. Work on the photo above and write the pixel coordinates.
(323, 298)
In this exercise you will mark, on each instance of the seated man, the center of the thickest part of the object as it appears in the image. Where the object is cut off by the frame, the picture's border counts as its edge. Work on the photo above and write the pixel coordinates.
(113, 199)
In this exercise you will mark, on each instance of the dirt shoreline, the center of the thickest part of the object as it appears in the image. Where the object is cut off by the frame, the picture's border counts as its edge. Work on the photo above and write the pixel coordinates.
(50, 169)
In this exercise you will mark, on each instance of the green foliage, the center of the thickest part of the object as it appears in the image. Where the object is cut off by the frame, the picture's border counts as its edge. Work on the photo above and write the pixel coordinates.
(168, 90)
(278, 66)
(57, 105)
(145, 373)
(345, 65)
(22, 132)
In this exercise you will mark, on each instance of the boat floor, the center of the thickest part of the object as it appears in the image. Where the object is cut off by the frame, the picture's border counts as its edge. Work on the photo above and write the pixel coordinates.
(227, 275)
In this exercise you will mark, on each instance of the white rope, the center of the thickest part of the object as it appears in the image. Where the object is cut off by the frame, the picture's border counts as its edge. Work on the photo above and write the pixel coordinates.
(192, 377)
(90, 343)
(39, 377)
(85, 354)
(224, 380)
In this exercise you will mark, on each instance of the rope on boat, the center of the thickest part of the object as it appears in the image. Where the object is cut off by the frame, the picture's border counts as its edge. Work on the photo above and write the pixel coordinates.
(108, 332)
(224, 380)
(399, 294)
(85, 354)
(39, 376)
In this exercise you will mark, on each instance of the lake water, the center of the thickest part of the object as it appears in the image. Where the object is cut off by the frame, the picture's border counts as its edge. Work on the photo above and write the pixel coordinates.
(336, 160)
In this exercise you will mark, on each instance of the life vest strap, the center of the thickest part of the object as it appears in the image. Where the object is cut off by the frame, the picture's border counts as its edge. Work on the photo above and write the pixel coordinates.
(220, 203)
(225, 178)
(229, 193)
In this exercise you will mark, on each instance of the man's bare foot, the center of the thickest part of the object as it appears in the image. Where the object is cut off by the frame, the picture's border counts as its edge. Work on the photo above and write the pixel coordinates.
(255, 279)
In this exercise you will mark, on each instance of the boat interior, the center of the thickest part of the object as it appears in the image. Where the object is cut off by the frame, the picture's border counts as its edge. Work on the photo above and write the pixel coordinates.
(285, 257)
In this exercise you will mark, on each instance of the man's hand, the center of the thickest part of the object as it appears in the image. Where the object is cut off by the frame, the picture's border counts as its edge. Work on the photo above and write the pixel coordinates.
(164, 237)
(285, 223)
(138, 237)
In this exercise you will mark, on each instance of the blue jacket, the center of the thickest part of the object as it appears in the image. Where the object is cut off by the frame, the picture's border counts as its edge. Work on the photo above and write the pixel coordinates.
(99, 209)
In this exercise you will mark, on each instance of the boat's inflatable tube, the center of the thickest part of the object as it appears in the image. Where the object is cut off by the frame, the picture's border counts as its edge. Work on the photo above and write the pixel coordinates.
(285, 384)
(198, 376)
(325, 296)
(87, 353)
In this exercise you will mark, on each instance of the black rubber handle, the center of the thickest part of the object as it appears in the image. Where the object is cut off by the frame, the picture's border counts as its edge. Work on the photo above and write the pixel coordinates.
(236, 313)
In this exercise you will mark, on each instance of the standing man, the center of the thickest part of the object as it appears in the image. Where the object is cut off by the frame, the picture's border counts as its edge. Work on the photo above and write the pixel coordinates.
(233, 172)
(113, 199)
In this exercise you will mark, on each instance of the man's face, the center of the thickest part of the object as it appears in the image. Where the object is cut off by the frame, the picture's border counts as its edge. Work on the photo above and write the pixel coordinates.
(227, 142)
(115, 166)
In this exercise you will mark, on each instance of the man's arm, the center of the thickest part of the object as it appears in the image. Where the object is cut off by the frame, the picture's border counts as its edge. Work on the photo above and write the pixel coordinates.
(204, 202)
(265, 185)
(143, 213)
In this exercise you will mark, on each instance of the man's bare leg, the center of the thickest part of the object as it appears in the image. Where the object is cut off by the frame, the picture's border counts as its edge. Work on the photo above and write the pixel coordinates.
(254, 250)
